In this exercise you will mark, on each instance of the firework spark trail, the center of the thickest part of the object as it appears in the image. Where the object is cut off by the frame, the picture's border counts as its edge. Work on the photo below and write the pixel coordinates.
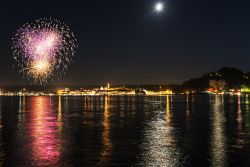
(43, 50)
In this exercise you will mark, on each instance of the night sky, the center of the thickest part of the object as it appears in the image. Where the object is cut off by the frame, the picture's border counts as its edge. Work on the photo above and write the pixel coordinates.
(126, 42)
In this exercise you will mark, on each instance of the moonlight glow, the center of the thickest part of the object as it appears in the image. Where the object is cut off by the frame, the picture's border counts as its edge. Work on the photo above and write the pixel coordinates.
(43, 49)
(159, 7)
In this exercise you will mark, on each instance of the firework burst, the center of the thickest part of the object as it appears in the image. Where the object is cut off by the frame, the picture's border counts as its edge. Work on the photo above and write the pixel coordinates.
(43, 50)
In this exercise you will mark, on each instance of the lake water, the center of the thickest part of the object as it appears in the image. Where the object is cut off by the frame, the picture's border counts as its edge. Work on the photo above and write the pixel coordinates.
(178, 130)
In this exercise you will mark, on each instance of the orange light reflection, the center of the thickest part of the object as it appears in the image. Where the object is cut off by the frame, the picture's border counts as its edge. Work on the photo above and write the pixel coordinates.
(107, 145)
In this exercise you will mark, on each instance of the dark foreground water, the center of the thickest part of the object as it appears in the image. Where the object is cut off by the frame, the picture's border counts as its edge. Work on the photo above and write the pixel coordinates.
(194, 130)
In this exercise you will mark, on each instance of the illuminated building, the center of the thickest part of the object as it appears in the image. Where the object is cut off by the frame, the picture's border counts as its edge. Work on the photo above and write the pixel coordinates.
(217, 85)
(245, 89)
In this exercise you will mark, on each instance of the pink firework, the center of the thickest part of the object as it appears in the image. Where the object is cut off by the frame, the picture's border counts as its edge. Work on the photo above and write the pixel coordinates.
(43, 49)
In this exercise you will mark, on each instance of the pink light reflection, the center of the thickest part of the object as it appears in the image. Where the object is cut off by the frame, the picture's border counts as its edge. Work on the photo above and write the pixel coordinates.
(46, 142)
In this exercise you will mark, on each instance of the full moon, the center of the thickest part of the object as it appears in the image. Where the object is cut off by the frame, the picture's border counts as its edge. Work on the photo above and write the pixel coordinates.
(159, 7)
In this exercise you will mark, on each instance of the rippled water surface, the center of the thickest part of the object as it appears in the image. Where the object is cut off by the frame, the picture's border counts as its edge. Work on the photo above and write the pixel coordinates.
(178, 130)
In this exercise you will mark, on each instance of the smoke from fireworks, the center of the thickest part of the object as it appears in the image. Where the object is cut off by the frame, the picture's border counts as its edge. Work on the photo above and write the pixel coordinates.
(43, 49)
